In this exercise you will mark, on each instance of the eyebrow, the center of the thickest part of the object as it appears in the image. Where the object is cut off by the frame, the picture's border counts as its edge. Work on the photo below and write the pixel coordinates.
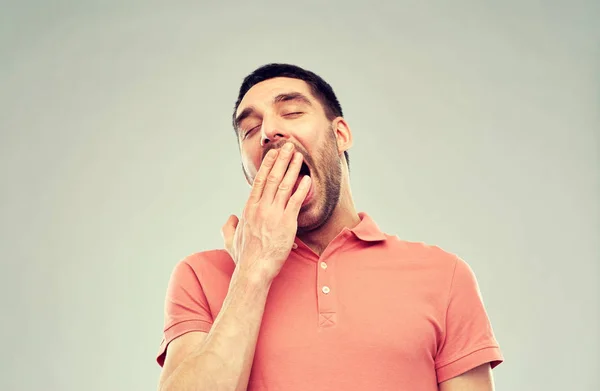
(286, 97)
(297, 96)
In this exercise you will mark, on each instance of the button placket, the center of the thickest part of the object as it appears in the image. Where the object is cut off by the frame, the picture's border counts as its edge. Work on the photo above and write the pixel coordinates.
(326, 293)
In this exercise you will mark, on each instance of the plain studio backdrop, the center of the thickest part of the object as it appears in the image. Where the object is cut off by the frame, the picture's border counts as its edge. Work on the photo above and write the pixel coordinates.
(475, 124)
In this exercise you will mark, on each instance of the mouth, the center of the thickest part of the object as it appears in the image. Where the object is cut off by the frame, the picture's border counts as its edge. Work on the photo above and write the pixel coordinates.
(304, 170)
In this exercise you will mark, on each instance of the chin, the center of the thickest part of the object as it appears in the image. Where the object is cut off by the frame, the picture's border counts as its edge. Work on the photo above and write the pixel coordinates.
(306, 217)
(318, 209)
(310, 218)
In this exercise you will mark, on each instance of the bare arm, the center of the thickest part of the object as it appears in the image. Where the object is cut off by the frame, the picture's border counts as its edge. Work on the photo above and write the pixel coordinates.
(223, 359)
(477, 379)
(259, 243)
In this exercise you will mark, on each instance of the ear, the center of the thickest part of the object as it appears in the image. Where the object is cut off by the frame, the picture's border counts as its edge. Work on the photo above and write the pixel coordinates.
(343, 134)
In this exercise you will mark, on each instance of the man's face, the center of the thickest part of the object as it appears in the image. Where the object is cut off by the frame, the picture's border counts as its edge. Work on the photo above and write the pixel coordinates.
(283, 109)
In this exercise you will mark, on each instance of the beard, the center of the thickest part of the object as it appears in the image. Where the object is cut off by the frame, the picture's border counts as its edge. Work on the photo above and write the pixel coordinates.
(326, 176)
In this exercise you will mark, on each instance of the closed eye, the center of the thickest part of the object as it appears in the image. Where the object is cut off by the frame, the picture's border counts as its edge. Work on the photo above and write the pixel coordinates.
(250, 131)
(294, 114)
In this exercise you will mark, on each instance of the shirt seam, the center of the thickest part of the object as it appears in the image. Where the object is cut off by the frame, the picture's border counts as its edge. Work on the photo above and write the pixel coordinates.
(449, 295)
(459, 356)
(185, 321)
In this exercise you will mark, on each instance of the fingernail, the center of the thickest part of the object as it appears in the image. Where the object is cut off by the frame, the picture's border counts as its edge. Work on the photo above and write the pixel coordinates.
(288, 147)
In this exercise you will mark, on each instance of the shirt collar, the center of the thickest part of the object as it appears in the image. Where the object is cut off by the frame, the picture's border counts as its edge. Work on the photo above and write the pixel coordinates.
(367, 229)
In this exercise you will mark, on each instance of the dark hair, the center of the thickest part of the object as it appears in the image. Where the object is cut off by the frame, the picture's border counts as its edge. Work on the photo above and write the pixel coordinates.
(319, 88)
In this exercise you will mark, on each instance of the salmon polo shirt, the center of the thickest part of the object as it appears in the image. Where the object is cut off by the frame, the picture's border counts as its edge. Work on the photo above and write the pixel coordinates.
(373, 312)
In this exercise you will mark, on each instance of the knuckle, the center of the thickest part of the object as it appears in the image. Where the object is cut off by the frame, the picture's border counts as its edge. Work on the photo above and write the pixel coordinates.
(259, 180)
(272, 178)
(284, 186)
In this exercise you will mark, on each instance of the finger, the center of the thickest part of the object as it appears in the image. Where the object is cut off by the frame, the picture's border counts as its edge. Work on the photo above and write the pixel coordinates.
(289, 180)
(295, 202)
(276, 175)
(228, 232)
(261, 176)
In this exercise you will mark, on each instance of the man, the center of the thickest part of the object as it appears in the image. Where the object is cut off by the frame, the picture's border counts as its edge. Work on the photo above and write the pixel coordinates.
(308, 293)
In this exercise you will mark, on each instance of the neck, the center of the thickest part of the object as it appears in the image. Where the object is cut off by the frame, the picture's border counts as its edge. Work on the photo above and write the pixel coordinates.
(344, 216)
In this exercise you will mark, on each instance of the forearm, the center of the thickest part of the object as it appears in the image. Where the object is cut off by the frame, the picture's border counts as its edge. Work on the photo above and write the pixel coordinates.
(225, 358)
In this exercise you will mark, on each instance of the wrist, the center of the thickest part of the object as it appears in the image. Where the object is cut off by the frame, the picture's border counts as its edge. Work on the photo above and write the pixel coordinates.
(254, 280)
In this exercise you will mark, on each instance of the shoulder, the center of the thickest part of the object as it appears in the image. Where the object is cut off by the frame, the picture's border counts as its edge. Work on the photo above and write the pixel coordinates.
(434, 258)
(440, 267)
(203, 263)
(422, 252)
(215, 257)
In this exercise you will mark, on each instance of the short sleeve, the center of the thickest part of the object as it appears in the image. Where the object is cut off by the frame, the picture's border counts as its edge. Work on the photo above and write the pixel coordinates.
(186, 307)
(468, 339)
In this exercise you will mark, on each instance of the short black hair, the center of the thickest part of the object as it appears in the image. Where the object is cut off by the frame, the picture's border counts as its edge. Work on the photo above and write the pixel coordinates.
(319, 88)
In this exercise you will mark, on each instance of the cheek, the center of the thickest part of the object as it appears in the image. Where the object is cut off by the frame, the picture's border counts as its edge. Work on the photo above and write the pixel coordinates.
(251, 164)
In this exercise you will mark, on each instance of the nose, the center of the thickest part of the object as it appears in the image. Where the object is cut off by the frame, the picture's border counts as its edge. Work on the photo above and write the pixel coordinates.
(272, 132)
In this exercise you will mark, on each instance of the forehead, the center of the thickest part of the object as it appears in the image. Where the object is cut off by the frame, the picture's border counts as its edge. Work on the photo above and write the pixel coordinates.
(263, 93)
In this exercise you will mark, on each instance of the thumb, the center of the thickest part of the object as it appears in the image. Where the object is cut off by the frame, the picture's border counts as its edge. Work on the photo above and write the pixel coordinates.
(228, 231)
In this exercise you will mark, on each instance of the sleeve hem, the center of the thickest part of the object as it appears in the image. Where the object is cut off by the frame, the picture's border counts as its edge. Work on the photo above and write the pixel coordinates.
(491, 354)
(178, 330)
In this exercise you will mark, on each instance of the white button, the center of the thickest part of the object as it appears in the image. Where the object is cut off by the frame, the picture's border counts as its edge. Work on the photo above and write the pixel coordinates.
(326, 289)
(323, 265)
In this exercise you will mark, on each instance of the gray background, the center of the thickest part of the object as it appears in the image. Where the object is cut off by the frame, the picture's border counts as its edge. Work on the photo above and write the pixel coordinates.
(476, 129)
